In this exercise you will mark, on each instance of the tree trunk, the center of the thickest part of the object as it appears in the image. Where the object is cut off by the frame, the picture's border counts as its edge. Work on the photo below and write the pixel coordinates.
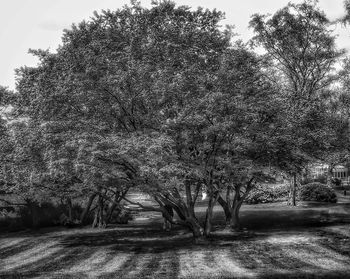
(95, 222)
(187, 215)
(292, 191)
(209, 215)
(184, 210)
(329, 175)
(101, 223)
(225, 207)
(195, 228)
(235, 222)
(98, 219)
(166, 223)
(87, 208)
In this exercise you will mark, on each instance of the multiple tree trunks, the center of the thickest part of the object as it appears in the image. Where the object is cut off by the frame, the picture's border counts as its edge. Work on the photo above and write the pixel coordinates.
(168, 204)
(233, 203)
(184, 207)
(105, 207)
(171, 202)
(209, 213)
(196, 228)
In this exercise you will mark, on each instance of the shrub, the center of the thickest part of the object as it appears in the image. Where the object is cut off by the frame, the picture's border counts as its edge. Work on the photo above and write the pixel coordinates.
(266, 193)
(317, 192)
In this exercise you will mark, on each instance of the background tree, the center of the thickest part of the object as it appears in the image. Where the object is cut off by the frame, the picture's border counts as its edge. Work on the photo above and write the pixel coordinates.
(250, 106)
(297, 39)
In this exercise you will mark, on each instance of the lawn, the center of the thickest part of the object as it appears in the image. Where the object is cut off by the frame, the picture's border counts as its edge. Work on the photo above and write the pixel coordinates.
(310, 241)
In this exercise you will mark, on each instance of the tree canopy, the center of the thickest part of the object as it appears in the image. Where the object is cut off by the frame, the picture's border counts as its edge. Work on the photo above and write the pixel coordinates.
(165, 102)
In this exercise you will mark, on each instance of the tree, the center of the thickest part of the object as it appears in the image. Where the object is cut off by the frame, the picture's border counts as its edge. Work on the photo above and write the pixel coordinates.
(5, 145)
(250, 108)
(346, 18)
(338, 111)
(124, 74)
(296, 38)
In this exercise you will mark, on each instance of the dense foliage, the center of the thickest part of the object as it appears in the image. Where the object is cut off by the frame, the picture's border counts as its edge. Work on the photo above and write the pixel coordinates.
(163, 101)
(317, 192)
(301, 49)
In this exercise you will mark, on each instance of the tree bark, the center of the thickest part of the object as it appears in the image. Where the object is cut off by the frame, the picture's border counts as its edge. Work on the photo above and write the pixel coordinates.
(293, 190)
(98, 219)
(170, 213)
(225, 207)
(233, 204)
(95, 222)
(195, 227)
(209, 214)
(329, 175)
(235, 222)
(184, 210)
(101, 223)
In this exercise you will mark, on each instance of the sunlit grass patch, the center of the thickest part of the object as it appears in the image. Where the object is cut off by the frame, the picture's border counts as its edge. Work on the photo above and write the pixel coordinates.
(143, 250)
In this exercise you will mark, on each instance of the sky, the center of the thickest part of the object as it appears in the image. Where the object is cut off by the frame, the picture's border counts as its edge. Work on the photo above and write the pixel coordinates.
(38, 24)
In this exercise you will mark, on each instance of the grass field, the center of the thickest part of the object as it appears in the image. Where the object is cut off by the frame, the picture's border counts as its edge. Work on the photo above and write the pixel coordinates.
(310, 241)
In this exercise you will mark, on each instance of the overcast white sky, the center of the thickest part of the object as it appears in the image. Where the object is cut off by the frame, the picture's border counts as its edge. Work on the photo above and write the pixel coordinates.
(37, 24)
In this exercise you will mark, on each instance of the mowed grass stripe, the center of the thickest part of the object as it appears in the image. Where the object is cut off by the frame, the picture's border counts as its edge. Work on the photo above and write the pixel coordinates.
(169, 265)
(10, 242)
(322, 258)
(32, 255)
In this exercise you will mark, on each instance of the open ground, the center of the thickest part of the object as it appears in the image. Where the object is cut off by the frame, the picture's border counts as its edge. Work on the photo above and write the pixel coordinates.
(309, 241)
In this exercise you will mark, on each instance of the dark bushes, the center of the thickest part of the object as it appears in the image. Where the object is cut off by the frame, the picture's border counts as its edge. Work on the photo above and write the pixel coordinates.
(317, 192)
(36, 215)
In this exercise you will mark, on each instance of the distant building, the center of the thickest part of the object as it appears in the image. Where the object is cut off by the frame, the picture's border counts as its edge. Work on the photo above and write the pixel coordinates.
(340, 172)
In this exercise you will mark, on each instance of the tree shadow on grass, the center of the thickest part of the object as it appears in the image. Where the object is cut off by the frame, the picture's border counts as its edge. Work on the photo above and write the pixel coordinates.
(145, 251)
(300, 275)
(287, 218)
(152, 253)
(335, 241)
(17, 248)
(126, 241)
